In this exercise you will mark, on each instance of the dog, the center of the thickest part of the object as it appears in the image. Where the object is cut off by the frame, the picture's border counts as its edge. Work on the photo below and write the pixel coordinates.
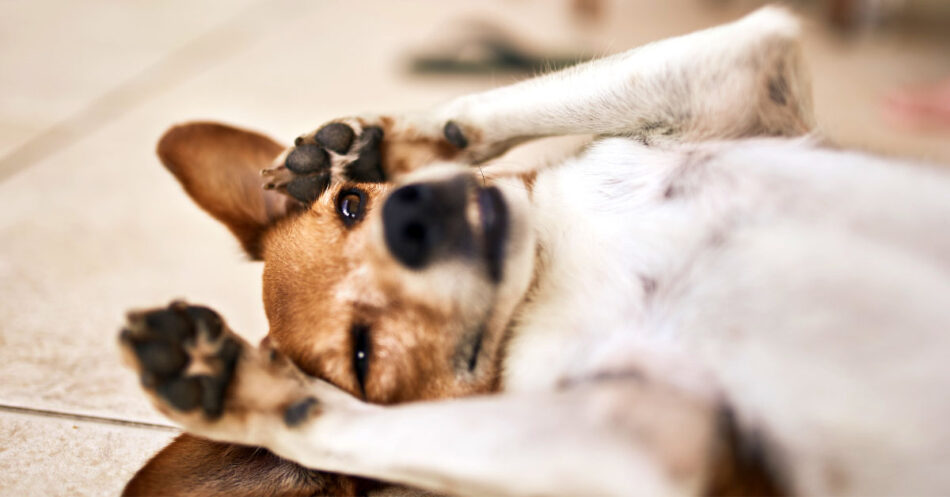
(707, 299)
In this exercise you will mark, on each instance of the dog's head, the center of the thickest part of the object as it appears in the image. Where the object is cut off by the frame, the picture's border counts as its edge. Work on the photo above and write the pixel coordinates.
(392, 291)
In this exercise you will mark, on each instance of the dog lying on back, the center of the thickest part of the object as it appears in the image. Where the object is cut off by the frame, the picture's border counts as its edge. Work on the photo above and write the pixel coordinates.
(704, 300)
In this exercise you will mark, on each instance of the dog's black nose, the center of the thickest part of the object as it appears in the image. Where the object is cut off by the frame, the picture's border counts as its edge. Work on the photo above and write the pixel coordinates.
(424, 220)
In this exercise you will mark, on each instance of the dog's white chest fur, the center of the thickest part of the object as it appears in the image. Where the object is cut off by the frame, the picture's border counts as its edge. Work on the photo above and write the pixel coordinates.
(720, 260)
(614, 234)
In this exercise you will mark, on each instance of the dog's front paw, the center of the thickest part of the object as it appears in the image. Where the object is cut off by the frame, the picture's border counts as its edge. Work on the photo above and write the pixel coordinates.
(207, 379)
(185, 357)
(362, 150)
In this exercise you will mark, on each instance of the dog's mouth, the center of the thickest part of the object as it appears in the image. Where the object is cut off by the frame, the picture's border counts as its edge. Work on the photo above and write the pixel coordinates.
(493, 215)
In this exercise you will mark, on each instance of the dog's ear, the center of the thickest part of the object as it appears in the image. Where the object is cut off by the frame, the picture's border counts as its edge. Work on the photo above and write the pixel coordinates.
(219, 167)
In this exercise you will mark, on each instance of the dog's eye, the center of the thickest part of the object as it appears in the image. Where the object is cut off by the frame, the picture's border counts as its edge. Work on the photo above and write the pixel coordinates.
(361, 354)
(350, 205)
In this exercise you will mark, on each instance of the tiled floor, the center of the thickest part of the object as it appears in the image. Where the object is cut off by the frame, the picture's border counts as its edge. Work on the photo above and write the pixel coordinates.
(91, 226)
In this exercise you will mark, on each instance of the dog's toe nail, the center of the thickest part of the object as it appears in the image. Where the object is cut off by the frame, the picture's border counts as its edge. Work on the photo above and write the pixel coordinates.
(453, 134)
(307, 159)
(276, 178)
(299, 411)
(306, 189)
(335, 136)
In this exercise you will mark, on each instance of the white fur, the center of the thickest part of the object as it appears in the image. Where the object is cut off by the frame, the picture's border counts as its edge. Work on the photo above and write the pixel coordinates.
(811, 286)
(805, 287)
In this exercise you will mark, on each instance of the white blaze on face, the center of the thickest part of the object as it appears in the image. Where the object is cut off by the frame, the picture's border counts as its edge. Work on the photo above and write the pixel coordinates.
(359, 286)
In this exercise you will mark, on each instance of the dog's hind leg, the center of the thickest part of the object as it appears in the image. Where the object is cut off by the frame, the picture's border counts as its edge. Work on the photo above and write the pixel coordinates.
(737, 80)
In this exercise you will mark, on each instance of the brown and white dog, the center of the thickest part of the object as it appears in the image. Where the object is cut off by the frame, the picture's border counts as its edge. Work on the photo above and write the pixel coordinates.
(704, 300)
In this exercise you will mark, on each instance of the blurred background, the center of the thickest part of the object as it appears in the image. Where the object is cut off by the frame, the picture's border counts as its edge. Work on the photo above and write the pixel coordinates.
(91, 225)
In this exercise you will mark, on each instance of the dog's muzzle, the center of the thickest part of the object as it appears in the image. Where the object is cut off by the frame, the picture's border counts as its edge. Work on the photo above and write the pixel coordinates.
(423, 222)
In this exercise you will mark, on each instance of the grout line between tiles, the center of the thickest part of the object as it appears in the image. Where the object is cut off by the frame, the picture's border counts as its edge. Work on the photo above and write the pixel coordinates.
(200, 54)
(87, 418)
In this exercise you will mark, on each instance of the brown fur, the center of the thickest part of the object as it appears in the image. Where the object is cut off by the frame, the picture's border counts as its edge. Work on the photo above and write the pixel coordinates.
(219, 167)
(313, 295)
(740, 465)
(322, 278)
(192, 466)
(406, 149)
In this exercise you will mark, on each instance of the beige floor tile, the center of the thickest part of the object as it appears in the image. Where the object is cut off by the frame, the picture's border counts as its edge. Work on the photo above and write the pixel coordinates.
(58, 57)
(88, 234)
(61, 457)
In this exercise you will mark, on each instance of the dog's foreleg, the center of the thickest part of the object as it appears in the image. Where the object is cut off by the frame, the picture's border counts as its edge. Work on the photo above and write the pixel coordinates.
(737, 80)
(608, 436)
(617, 438)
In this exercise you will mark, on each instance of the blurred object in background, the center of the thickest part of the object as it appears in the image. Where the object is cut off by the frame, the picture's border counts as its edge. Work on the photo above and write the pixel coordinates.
(479, 45)
(857, 14)
(920, 108)
(588, 11)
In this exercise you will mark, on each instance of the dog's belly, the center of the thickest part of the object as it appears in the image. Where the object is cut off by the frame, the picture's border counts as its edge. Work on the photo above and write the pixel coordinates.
(808, 287)
(840, 369)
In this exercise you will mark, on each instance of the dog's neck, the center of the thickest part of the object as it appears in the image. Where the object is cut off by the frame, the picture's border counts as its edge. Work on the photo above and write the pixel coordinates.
(578, 221)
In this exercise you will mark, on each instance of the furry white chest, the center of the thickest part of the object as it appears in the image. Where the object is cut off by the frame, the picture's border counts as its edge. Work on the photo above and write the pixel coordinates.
(613, 236)
(630, 236)
(772, 271)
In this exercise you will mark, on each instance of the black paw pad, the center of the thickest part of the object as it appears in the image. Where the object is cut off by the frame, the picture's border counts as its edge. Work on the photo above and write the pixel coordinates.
(161, 358)
(299, 411)
(213, 388)
(337, 137)
(183, 394)
(212, 394)
(367, 168)
(308, 158)
(161, 342)
(228, 353)
(453, 134)
(168, 324)
(308, 188)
